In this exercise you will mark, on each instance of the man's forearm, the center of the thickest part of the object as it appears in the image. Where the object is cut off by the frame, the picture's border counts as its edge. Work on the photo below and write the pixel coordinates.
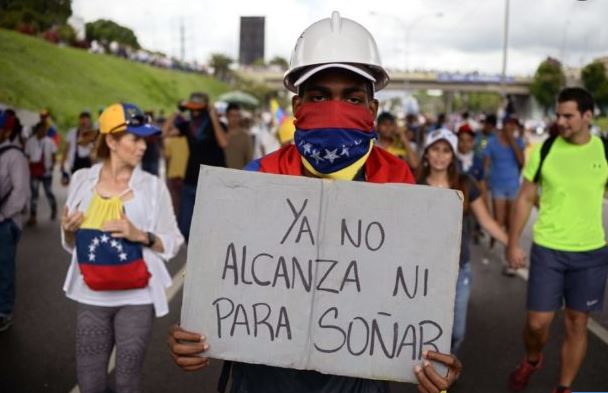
(168, 125)
(220, 135)
(519, 218)
(519, 153)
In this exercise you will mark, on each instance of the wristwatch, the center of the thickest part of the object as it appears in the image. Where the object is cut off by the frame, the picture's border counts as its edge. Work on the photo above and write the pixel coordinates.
(151, 239)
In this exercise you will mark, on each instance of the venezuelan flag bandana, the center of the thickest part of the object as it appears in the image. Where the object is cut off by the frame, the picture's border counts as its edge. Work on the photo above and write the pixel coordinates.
(334, 138)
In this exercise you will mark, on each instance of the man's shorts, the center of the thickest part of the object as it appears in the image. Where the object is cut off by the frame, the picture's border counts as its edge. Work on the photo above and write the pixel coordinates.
(576, 278)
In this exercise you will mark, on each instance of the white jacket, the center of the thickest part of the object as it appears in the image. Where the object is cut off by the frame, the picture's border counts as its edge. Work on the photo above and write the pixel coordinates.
(150, 210)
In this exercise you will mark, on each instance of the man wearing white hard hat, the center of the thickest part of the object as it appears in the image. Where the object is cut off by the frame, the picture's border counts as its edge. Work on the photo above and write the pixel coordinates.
(335, 70)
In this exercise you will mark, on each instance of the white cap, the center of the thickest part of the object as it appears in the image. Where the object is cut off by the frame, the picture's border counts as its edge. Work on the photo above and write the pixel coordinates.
(335, 42)
(442, 134)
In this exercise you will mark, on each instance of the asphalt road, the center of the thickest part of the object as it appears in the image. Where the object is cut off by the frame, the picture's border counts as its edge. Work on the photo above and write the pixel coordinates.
(37, 353)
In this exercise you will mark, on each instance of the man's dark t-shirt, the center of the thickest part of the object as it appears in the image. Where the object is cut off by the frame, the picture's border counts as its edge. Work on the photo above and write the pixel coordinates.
(204, 149)
(258, 378)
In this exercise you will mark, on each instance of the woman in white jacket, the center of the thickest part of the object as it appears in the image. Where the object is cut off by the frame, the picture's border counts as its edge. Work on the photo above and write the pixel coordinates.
(119, 226)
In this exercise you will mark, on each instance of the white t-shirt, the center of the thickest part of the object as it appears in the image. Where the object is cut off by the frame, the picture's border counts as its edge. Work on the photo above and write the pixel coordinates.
(41, 149)
(466, 160)
(265, 142)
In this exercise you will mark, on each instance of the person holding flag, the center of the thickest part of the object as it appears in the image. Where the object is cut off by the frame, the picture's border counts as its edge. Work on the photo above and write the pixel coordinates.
(119, 227)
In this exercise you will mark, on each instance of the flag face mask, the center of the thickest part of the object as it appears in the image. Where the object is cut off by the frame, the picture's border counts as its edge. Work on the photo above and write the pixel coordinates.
(334, 138)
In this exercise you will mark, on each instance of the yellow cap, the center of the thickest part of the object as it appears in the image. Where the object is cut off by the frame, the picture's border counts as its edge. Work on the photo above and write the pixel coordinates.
(125, 117)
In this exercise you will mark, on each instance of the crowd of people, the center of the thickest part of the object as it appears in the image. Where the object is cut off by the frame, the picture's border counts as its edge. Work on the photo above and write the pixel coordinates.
(112, 47)
(121, 221)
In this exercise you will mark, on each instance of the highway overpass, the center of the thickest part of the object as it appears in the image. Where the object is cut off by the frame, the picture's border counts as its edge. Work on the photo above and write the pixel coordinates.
(447, 82)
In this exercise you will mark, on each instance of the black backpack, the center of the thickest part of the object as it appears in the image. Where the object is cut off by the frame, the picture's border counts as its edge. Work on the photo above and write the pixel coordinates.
(544, 151)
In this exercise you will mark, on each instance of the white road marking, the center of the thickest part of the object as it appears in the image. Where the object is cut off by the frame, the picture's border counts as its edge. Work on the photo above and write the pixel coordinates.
(597, 329)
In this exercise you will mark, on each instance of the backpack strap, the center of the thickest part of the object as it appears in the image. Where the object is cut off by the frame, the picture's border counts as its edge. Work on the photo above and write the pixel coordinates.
(544, 151)
(125, 192)
(9, 147)
(605, 142)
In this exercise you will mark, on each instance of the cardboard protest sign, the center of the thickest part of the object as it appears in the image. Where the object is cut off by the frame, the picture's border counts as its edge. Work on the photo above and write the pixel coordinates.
(346, 278)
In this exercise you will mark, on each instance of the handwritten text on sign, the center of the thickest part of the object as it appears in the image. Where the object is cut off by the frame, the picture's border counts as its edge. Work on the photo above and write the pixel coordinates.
(346, 278)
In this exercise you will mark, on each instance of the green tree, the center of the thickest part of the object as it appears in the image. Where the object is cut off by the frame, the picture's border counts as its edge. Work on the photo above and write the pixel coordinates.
(261, 91)
(66, 33)
(41, 13)
(107, 30)
(259, 63)
(280, 62)
(595, 80)
(477, 102)
(221, 66)
(548, 81)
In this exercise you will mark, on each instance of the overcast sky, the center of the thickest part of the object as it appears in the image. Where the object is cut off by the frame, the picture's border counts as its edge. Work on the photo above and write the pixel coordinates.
(450, 35)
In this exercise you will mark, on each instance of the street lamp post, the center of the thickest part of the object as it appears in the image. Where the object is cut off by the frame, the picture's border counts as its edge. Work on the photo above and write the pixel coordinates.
(505, 45)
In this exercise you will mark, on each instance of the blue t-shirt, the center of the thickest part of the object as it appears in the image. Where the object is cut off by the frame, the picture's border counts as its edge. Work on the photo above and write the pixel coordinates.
(504, 168)
(481, 141)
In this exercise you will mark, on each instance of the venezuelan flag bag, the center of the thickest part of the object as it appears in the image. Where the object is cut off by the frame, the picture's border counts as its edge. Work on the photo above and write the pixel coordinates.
(107, 263)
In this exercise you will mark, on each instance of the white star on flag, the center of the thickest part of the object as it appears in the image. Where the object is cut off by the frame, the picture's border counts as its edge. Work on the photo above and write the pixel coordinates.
(316, 156)
(95, 241)
(91, 257)
(344, 151)
(331, 155)
(114, 243)
(91, 247)
(307, 148)
(123, 256)
(119, 247)
(358, 142)
(104, 238)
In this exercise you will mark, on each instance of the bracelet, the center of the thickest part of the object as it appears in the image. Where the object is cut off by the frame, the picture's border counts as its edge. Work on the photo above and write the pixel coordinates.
(151, 239)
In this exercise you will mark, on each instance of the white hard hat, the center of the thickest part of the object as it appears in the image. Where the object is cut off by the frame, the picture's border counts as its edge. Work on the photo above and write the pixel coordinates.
(335, 42)
(442, 134)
